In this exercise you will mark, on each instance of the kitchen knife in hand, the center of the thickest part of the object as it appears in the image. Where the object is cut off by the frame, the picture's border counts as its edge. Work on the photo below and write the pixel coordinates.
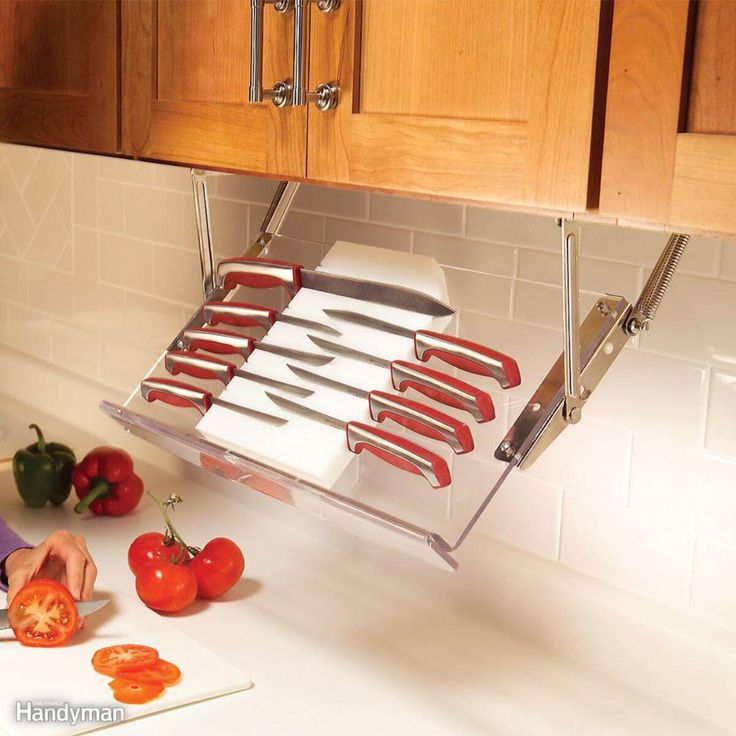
(84, 608)
(412, 415)
(262, 273)
(392, 449)
(464, 354)
(433, 384)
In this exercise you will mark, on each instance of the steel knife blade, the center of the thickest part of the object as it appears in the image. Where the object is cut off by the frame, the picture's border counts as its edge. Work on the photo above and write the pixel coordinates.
(84, 608)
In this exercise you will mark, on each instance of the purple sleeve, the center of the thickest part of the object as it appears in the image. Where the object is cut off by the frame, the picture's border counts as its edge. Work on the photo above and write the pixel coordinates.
(9, 542)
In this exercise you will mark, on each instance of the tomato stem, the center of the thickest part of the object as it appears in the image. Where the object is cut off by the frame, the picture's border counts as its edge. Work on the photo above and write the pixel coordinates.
(163, 507)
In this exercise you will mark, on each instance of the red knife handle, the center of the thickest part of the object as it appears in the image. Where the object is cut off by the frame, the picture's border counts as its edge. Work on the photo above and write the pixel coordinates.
(399, 452)
(441, 387)
(421, 419)
(176, 393)
(238, 314)
(468, 356)
(259, 273)
(197, 365)
(223, 342)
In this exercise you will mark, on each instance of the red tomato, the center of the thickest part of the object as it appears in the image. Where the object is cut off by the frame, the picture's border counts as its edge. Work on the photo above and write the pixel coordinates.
(161, 671)
(43, 614)
(135, 693)
(218, 567)
(165, 586)
(150, 546)
(121, 658)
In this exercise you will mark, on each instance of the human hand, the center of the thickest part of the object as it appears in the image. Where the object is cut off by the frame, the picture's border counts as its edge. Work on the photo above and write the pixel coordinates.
(62, 556)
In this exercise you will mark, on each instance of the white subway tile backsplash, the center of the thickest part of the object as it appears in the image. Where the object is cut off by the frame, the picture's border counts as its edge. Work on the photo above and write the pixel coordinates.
(472, 255)
(714, 582)
(367, 233)
(417, 214)
(721, 425)
(628, 549)
(92, 248)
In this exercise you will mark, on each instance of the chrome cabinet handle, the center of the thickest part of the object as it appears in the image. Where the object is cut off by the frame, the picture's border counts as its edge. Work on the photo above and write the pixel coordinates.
(280, 93)
(325, 97)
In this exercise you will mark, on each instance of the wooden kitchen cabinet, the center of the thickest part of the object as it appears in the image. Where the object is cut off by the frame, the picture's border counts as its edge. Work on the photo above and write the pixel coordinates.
(475, 99)
(59, 73)
(670, 141)
(185, 68)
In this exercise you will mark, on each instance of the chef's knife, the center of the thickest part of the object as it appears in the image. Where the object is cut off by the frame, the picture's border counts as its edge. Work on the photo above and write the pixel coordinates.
(197, 365)
(434, 384)
(262, 273)
(413, 415)
(176, 393)
(241, 314)
(392, 449)
(464, 354)
(84, 608)
(232, 343)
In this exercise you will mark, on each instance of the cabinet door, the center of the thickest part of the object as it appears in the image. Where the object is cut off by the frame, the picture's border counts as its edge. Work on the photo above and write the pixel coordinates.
(478, 99)
(185, 87)
(670, 142)
(58, 73)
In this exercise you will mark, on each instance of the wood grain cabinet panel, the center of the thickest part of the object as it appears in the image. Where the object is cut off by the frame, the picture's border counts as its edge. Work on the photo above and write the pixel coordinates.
(185, 87)
(669, 153)
(475, 99)
(59, 74)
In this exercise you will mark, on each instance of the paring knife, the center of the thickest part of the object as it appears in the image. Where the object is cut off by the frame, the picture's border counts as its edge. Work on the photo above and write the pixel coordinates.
(392, 449)
(262, 273)
(84, 608)
(434, 384)
(185, 395)
(241, 314)
(231, 343)
(413, 415)
(464, 354)
(197, 365)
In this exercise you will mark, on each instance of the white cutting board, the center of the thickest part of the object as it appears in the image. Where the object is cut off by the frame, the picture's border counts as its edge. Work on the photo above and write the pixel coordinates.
(65, 674)
(311, 450)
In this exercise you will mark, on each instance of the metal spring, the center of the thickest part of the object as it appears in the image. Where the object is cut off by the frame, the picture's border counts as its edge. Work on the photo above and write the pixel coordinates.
(275, 200)
(656, 286)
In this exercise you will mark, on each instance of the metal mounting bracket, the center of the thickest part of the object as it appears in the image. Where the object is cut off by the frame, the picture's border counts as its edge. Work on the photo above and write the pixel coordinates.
(204, 231)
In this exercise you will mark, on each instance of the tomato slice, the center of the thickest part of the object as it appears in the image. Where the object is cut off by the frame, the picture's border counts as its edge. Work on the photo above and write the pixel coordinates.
(161, 671)
(121, 658)
(43, 614)
(135, 693)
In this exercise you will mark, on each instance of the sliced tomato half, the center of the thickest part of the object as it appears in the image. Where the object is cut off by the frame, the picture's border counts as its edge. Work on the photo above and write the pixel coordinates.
(161, 671)
(133, 692)
(121, 658)
(43, 614)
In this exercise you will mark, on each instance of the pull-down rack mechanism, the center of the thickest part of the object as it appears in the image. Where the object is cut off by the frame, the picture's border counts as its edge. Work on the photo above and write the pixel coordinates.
(589, 350)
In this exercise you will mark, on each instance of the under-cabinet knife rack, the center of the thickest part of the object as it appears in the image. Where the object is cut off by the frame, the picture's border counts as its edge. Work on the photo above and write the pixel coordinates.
(589, 350)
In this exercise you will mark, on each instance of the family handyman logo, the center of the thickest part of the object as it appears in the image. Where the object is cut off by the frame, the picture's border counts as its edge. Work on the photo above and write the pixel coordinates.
(28, 711)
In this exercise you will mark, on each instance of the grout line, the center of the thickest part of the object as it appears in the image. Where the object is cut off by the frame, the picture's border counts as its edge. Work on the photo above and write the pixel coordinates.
(563, 498)
(629, 459)
(705, 410)
(691, 572)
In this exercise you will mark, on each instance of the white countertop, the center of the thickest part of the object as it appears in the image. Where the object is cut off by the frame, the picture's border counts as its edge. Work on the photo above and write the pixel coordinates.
(341, 638)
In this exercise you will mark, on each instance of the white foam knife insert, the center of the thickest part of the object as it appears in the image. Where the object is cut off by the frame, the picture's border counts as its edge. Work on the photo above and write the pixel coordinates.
(306, 448)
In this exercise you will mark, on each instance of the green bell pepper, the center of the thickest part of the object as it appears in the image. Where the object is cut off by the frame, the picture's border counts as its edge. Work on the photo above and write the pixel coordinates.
(43, 472)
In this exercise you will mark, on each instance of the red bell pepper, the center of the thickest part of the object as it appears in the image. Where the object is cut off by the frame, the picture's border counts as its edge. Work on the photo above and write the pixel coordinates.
(105, 482)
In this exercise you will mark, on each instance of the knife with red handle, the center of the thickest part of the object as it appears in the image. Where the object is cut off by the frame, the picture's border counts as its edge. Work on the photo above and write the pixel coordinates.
(413, 415)
(241, 314)
(392, 449)
(262, 273)
(226, 342)
(434, 384)
(469, 356)
(207, 367)
(176, 393)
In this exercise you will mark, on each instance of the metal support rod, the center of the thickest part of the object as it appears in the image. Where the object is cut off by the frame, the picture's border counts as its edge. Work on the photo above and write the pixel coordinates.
(204, 231)
(653, 292)
(274, 217)
(571, 325)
